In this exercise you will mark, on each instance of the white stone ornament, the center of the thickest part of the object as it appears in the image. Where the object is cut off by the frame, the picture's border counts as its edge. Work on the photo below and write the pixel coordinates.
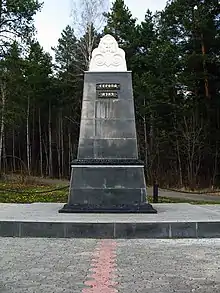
(108, 56)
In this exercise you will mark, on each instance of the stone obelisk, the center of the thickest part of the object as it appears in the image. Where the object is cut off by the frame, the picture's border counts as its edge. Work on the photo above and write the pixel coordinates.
(107, 175)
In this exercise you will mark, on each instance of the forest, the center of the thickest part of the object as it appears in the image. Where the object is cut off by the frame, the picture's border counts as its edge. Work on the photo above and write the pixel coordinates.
(174, 56)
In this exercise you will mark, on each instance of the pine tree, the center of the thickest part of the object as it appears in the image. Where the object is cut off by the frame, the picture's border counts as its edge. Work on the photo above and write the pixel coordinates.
(16, 21)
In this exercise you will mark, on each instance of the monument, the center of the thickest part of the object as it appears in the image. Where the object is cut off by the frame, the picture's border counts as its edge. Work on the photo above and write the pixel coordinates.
(107, 175)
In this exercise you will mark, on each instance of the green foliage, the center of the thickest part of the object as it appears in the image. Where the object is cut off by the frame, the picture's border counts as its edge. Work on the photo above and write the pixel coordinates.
(69, 67)
(11, 74)
(66, 51)
(25, 78)
(175, 68)
(37, 71)
(16, 21)
(174, 58)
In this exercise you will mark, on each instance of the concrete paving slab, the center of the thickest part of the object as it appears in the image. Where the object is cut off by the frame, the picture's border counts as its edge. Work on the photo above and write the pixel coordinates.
(48, 212)
(212, 207)
(172, 221)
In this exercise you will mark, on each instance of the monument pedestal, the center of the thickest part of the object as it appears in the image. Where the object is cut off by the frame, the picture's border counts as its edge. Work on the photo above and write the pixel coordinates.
(107, 175)
(111, 186)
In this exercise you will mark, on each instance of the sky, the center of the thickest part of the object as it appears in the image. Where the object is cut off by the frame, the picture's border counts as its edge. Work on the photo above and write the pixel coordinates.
(56, 15)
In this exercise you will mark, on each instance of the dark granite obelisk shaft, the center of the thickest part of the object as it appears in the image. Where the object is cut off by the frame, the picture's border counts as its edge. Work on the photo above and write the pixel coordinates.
(107, 175)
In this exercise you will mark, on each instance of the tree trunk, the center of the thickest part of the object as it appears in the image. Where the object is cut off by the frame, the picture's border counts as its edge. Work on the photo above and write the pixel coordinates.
(19, 151)
(50, 142)
(33, 152)
(62, 144)
(46, 155)
(179, 163)
(151, 148)
(3, 100)
(28, 137)
(69, 147)
(13, 150)
(58, 148)
(4, 155)
(216, 160)
(145, 145)
(151, 134)
(206, 82)
(40, 143)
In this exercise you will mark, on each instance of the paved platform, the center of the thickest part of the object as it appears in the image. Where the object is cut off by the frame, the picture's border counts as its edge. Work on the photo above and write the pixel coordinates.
(137, 266)
(172, 221)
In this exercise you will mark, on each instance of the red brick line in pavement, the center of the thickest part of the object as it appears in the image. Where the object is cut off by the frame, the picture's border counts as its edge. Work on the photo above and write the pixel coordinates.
(103, 269)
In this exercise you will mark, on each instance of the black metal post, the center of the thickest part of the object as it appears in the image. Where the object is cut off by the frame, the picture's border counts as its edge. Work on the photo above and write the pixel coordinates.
(155, 192)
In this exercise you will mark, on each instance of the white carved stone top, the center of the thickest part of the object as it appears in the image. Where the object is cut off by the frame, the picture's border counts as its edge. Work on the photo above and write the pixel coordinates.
(108, 56)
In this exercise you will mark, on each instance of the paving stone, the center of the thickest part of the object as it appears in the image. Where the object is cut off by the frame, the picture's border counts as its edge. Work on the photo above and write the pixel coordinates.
(48, 273)
(169, 266)
(144, 265)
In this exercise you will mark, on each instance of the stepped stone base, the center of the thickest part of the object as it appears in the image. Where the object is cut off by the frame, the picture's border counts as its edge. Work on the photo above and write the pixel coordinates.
(107, 186)
(144, 208)
(171, 221)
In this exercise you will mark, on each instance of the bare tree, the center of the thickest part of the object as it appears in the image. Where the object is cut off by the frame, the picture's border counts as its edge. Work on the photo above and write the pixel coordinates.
(192, 132)
(88, 18)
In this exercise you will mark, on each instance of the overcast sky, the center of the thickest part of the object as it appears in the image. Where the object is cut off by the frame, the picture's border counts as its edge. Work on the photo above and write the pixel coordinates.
(55, 16)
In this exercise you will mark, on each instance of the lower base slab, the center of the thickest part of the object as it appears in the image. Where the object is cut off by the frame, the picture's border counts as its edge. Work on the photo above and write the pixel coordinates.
(171, 221)
(144, 208)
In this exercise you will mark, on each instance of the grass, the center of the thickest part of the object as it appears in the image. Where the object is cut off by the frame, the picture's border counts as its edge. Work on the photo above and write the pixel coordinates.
(23, 193)
(14, 192)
